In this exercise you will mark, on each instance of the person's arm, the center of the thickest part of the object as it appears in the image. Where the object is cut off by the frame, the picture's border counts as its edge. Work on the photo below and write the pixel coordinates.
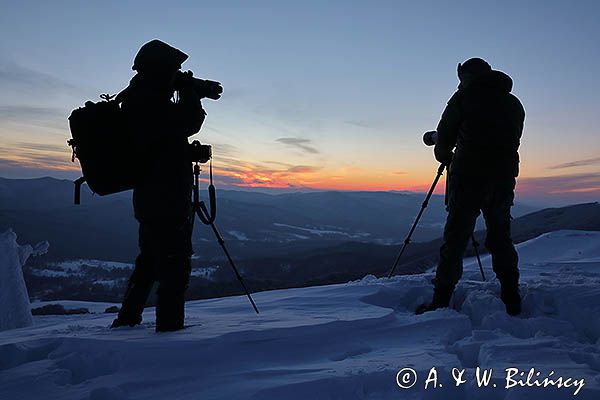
(521, 118)
(447, 130)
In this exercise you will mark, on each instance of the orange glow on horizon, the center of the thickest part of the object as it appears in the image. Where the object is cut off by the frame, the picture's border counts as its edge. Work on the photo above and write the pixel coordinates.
(242, 174)
(358, 180)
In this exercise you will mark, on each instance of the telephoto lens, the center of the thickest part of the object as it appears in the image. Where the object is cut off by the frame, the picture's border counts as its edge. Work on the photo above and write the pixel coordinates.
(203, 87)
(430, 138)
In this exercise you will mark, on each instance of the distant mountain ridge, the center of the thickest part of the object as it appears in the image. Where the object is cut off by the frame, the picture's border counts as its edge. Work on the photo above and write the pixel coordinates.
(352, 260)
(104, 227)
(585, 217)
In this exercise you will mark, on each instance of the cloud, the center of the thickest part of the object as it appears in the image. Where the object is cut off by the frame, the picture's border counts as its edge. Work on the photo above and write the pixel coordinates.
(302, 169)
(13, 170)
(27, 155)
(54, 148)
(561, 184)
(578, 163)
(37, 161)
(236, 172)
(21, 112)
(46, 117)
(299, 143)
(282, 164)
(360, 124)
(14, 77)
(228, 180)
(223, 149)
(229, 171)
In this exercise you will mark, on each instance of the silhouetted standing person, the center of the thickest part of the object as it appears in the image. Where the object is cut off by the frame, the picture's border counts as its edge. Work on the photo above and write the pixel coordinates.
(484, 121)
(162, 195)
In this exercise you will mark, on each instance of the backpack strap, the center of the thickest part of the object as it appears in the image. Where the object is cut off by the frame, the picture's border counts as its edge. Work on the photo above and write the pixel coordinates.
(123, 94)
(78, 182)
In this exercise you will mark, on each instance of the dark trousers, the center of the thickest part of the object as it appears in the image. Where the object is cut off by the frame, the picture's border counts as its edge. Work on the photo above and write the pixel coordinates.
(165, 251)
(467, 197)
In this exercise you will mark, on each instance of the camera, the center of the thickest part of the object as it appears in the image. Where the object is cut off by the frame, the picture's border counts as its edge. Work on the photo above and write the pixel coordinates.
(200, 153)
(430, 138)
(203, 87)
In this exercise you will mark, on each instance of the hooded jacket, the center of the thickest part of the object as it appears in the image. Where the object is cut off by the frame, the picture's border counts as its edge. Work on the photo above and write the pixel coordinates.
(484, 121)
(161, 129)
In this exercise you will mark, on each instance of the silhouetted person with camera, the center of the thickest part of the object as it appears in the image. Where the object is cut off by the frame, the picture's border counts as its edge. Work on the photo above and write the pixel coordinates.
(483, 124)
(162, 194)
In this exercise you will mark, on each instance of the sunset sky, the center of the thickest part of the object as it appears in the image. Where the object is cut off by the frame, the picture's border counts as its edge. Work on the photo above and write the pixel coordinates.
(319, 95)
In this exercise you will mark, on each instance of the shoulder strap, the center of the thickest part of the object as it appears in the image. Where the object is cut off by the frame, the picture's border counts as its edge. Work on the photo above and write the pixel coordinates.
(78, 182)
(122, 95)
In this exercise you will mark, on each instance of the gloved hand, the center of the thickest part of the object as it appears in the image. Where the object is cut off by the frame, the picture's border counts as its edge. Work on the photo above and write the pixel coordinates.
(442, 155)
(183, 80)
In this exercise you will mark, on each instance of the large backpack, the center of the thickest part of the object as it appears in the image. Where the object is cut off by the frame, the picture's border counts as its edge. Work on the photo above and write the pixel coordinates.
(104, 147)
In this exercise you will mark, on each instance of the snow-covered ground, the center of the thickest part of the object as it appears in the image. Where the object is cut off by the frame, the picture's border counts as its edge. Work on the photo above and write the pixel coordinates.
(88, 269)
(78, 268)
(78, 264)
(346, 341)
(326, 232)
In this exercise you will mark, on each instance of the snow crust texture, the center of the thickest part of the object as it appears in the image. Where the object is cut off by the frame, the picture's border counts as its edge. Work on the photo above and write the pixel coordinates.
(346, 341)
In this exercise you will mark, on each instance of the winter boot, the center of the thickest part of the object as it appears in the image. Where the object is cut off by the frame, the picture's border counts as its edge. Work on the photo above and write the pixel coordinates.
(509, 293)
(119, 321)
(441, 299)
(133, 305)
(170, 312)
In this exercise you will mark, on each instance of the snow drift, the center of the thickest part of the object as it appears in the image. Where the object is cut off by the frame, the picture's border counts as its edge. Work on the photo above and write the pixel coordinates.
(346, 341)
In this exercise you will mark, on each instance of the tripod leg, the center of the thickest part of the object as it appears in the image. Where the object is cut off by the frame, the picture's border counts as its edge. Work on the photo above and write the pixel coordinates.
(237, 274)
(406, 242)
(476, 248)
(440, 171)
(199, 208)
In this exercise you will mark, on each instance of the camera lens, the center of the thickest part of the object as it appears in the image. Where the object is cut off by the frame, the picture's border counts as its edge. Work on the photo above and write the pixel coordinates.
(430, 138)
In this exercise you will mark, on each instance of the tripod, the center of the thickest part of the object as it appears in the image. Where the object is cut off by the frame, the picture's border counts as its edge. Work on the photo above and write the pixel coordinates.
(440, 171)
(208, 218)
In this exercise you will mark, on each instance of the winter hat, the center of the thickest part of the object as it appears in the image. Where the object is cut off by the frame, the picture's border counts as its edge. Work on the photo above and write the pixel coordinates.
(473, 66)
(157, 55)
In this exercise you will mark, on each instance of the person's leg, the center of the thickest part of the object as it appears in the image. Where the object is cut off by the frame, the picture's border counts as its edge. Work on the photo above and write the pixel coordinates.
(464, 198)
(505, 260)
(140, 283)
(173, 276)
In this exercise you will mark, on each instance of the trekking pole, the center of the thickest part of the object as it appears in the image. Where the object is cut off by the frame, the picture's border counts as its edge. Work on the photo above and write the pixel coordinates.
(208, 218)
(440, 171)
(476, 247)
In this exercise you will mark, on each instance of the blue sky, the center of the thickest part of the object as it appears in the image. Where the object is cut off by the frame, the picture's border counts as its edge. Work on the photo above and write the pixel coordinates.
(317, 94)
